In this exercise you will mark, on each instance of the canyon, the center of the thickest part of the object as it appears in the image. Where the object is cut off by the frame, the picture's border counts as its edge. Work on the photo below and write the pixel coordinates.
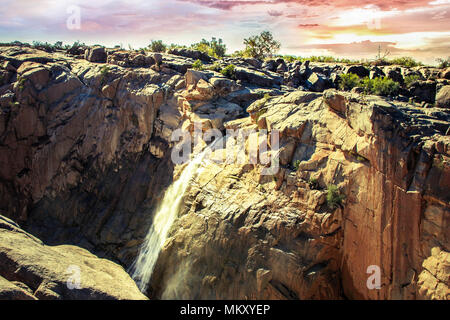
(85, 162)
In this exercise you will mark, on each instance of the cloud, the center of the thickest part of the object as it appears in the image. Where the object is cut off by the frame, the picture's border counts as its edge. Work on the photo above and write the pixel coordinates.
(382, 4)
(275, 13)
(308, 25)
(226, 4)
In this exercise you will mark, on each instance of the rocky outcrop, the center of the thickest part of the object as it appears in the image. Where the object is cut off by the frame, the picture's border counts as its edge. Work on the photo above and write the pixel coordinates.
(245, 235)
(95, 54)
(443, 97)
(189, 53)
(85, 159)
(31, 270)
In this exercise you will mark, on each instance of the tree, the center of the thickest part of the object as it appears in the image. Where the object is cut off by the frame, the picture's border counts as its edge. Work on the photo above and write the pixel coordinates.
(157, 46)
(261, 45)
(214, 48)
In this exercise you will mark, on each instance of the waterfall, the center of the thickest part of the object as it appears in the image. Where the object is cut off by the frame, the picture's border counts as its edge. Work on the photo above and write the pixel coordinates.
(165, 216)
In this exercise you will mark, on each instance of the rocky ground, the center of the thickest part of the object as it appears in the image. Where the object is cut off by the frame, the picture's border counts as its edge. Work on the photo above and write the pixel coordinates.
(85, 158)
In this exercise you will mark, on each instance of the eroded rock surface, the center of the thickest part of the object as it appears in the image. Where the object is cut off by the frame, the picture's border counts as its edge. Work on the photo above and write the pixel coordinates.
(85, 158)
(245, 235)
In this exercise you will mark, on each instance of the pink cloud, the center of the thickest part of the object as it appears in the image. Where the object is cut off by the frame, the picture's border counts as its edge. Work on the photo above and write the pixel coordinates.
(308, 25)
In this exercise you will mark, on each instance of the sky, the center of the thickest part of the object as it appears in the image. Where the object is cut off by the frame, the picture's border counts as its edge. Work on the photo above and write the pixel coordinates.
(343, 28)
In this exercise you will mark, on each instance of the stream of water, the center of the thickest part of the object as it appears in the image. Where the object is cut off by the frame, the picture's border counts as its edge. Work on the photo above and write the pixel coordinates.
(165, 216)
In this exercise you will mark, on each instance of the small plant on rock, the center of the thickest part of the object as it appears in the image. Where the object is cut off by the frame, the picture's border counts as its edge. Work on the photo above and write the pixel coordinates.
(297, 164)
(334, 197)
(198, 65)
(21, 83)
(313, 183)
(259, 113)
(229, 71)
(103, 73)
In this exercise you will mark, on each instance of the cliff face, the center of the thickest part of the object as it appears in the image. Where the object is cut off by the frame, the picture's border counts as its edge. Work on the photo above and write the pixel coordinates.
(246, 235)
(85, 158)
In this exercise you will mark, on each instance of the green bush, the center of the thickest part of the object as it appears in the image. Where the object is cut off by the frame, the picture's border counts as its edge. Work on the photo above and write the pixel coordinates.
(313, 184)
(198, 65)
(406, 62)
(229, 71)
(297, 164)
(45, 46)
(349, 81)
(176, 46)
(380, 86)
(157, 46)
(103, 73)
(334, 197)
(214, 48)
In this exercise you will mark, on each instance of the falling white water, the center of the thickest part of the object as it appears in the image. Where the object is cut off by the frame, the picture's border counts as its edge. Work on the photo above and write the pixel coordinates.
(166, 214)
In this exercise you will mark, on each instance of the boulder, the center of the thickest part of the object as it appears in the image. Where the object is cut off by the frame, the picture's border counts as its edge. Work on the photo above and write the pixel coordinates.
(270, 65)
(376, 72)
(95, 54)
(335, 101)
(193, 54)
(193, 76)
(443, 97)
(32, 270)
(317, 82)
(395, 74)
(258, 78)
(253, 62)
(423, 91)
(157, 57)
(445, 74)
(360, 71)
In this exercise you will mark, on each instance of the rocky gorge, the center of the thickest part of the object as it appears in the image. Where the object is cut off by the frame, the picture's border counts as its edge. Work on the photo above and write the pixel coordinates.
(85, 158)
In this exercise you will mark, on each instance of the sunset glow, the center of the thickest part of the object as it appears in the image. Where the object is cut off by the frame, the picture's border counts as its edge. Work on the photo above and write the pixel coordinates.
(353, 29)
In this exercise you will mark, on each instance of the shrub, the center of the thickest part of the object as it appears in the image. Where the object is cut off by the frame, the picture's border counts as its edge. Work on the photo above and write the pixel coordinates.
(229, 71)
(442, 63)
(21, 83)
(261, 45)
(381, 86)
(198, 65)
(406, 62)
(334, 197)
(45, 46)
(176, 46)
(349, 81)
(214, 48)
(157, 46)
(313, 183)
(409, 80)
(297, 164)
(103, 73)
(259, 113)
